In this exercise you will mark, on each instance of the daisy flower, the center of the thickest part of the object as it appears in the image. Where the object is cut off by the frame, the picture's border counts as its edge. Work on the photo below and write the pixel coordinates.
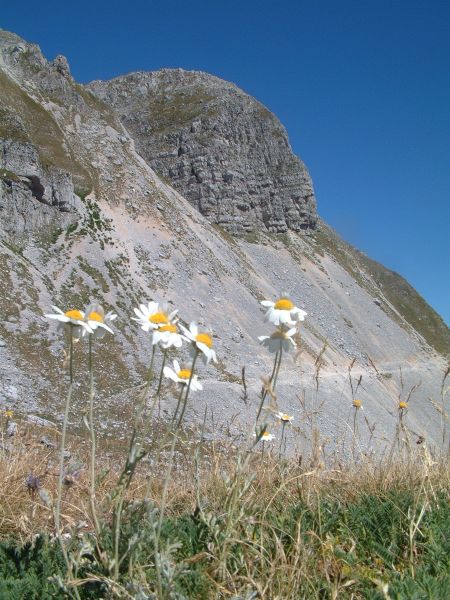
(265, 436)
(279, 340)
(182, 376)
(96, 319)
(201, 340)
(152, 316)
(357, 403)
(283, 312)
(167, 335)
(73, 318)
(402, 405)
(284, 418)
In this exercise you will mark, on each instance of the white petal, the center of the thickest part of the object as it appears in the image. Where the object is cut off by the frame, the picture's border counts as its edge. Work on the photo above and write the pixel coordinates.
(170, 374)
(195, 384)
(203, 348)
(267, 303)
(177, 341)
(139, 314)
(188, 334)
(152, 308)
(102, 325)
(61, 318)
(86, 326)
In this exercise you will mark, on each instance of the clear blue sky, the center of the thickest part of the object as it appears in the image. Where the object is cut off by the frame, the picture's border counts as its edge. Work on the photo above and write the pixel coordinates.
(362, 87)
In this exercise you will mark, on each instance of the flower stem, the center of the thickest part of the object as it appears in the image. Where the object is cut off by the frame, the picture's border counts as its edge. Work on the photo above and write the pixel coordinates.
(265, 389)
(283, 425)
(71, 355)
(61, 464)
(274, 381)
(63, 439)
(188, 389)
(93, 441)
(158, 391)
(143, 405)
(161, 373)
(57, 512)
(178, 403)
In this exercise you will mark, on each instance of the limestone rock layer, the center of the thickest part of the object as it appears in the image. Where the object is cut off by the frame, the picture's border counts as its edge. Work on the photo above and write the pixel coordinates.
(219, 147)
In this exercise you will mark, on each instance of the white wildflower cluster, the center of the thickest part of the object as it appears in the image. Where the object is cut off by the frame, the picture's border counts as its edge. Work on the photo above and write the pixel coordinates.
(91, 321)
(155, 318)
(265, 436)
(285, 316)
(167, 331)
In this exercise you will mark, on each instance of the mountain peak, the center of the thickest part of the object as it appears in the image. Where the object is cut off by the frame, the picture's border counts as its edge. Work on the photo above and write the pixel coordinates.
(219, 147)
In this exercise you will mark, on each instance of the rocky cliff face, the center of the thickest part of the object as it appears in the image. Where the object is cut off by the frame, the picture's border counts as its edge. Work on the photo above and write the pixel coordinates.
(84, 217)
(38, 173)
(35, 197)
(220, 148)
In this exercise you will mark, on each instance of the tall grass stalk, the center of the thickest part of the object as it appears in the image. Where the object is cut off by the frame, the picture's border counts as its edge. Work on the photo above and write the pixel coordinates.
(93, 452)
(57, 510)
(135, 455)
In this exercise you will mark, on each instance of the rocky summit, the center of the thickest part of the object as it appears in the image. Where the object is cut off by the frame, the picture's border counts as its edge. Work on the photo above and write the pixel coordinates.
(220, 148)
(178, 186)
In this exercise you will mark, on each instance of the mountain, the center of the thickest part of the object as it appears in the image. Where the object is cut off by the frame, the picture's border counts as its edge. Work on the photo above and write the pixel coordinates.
(179, 186)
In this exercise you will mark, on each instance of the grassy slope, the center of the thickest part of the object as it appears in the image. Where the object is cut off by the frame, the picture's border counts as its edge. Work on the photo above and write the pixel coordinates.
(277, 531)
(374, 277)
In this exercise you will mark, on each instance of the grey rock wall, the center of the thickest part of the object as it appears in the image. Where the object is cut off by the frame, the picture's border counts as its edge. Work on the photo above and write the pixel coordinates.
(33, 198)
(219, 147)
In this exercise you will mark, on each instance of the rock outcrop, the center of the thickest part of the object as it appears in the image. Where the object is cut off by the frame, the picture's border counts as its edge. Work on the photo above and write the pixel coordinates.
(33, 197)
(219, 147)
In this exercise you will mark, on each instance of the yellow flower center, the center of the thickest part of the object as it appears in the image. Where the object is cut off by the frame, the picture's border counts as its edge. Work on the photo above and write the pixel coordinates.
(402, 405)
(74, 314)
(184, 374)
(357, 403)
(284, 304)
(169, 327)
(204, 338)
(9, 414)
(285, 418)
(95, 316)
(158, 317)
(265, 435)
